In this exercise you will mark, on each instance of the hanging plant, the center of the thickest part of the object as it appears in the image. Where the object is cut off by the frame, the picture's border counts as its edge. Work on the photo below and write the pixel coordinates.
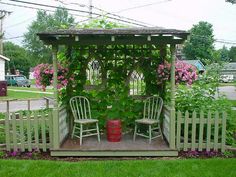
(184, 72)
(43, 74)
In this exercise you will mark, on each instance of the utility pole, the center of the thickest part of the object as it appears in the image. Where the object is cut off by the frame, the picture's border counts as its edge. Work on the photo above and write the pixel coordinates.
(90, 9)
(3, 14)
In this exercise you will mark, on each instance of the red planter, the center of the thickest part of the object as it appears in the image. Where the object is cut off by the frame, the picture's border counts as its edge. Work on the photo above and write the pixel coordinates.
(114, 130)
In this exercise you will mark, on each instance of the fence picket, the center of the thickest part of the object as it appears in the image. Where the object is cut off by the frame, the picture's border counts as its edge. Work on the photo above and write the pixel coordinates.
(216, 131)
(208, 145)
(14, 132)
(179, 117)
(193, 138)
(43, 131)
(50, 127)
(29, 138)
(22, 136)
(201, 130)
(7, 131)
(186, 131)
(223, 132)
(36, 130)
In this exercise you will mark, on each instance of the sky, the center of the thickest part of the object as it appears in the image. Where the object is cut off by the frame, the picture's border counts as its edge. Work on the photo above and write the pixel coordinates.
(177, 14)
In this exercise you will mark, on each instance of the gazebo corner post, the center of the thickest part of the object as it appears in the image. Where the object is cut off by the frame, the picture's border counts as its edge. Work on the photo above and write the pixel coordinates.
(172, 111)
(55, 108)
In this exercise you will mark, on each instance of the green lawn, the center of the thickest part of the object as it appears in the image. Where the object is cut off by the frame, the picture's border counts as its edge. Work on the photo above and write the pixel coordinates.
(12, 94)
(128, 168)
(23, 95)
(26, 88)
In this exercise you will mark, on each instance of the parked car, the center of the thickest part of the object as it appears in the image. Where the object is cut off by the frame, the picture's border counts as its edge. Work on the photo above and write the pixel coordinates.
(17, 80)
(227, 78)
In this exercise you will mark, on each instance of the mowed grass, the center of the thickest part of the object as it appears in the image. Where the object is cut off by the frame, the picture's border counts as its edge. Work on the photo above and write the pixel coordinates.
(127, 168)
(18, 93)
(23, 95)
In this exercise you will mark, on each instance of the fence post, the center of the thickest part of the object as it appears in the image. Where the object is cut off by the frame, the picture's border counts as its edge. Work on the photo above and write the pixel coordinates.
(223, 132)
(7, 131)
(28, 101)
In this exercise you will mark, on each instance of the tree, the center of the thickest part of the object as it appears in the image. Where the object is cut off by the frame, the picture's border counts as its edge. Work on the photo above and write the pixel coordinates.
(45, 22)
(200, 43)
(224, 54)
(232, 53)
(231, 1)
(19, 58)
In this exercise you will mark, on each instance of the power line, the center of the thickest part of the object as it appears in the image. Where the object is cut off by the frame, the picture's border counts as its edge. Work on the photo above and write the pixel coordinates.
(37, 8)
(106, 13)
(75, 10)
(15, 37)
(145, 5)
(16, 24)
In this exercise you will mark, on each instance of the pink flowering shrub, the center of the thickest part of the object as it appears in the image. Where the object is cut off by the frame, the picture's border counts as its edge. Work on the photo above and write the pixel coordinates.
(43, 74)
(184, 72)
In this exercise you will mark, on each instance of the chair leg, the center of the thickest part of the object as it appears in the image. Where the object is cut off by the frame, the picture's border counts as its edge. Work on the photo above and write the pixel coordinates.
(73, 132)
(98, 132)
(135, 131)
(81, 134)
(150, 134)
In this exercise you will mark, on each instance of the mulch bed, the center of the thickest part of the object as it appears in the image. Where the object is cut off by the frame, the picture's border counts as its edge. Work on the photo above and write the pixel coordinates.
(35, 155)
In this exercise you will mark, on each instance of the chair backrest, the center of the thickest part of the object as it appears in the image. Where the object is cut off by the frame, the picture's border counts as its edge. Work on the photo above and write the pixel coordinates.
(80, 107)
(152, 107)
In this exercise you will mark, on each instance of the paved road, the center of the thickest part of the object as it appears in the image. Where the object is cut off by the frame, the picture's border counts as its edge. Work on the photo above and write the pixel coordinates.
(228, 91)
(23, 105)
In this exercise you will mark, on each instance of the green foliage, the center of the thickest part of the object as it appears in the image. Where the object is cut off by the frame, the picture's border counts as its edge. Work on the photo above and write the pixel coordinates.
(201, 97)
(232, 53)
(221, 55)
(110, 99)
(45, 22)
(200, 43)
(19, 58)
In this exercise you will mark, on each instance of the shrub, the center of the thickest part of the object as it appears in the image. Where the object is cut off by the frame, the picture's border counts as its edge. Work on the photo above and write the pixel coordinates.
(184, 72)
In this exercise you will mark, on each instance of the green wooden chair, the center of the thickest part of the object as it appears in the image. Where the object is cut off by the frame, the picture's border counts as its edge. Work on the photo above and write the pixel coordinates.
(80, 108)
(151, 116)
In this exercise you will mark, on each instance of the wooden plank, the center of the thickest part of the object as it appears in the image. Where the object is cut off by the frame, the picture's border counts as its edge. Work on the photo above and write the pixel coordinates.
(36, 130)
(186, 130)
(223, 138)
(7, 131)
(22, 135)
(29, 138)
(208, 131)
(14, 133)
(201, 130)
(43, 130)
(193, 137)
(179, 117)
(216, 132)
(50, 127)
(167, 153)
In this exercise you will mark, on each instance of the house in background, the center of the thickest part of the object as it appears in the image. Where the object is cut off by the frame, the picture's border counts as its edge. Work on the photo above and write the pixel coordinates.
(3, 59)
(197, 63)
(229, 70)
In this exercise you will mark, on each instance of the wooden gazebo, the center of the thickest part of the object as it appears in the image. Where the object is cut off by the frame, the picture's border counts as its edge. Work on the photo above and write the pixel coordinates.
(161, 38)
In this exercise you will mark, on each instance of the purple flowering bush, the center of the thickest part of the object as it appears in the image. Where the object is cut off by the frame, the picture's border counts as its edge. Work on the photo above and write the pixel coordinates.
(184, 72)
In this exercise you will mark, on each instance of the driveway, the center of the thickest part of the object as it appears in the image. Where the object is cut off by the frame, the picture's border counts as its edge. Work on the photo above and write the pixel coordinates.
(228, 91)
(23, 105)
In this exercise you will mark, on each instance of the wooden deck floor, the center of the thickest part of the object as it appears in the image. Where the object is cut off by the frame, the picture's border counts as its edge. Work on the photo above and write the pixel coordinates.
(125, 148)
(127, 143)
